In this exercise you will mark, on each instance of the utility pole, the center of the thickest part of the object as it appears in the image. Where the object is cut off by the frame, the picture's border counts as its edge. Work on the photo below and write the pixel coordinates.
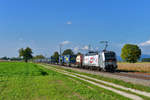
(60, 57)
(60, 46)
(89, 47)
(106, 44)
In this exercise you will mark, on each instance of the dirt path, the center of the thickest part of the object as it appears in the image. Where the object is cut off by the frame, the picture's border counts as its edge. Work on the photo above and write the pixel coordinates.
(128, 95)
(117, 86)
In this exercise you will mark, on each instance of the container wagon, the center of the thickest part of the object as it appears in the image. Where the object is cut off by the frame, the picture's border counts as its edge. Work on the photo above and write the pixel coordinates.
(68, 60)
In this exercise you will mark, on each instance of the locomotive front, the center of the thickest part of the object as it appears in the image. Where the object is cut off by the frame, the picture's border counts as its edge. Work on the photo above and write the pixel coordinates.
(109, 60)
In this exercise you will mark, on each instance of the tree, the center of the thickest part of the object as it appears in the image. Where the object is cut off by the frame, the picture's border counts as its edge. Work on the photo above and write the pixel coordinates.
(79, 53)
(68, 52)
(39, 57)
(4, 58)
(56, 56)
(130, 53)
(21, 51)
(26, 53)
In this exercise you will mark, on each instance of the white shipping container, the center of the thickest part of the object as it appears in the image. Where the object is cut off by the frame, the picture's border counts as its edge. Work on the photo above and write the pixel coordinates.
(91, 60)
(78, 59)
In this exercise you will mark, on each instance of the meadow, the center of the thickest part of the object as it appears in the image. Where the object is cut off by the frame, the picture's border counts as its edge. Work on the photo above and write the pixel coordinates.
(28, 81)
(139, 67)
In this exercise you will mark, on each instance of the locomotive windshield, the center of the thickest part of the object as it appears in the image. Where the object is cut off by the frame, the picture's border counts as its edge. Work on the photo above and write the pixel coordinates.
(110, 56)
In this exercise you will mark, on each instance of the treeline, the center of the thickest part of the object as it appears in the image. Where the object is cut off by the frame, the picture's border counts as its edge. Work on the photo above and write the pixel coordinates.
(25, 54)
(130, 53)
(11, 59)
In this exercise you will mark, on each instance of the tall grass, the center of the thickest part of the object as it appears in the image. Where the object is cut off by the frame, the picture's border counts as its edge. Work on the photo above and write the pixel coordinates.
(140, 67)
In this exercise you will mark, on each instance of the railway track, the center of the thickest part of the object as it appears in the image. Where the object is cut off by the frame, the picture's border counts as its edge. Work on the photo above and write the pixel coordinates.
(134, 75)
(138, 75)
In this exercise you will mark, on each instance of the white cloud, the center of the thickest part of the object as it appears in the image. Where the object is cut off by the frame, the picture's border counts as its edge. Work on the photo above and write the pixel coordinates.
(69, 22)
(147, 43)
(65, 42)
(85, 48)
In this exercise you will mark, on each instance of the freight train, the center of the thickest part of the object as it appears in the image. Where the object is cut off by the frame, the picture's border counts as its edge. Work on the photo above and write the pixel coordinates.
(104, 60)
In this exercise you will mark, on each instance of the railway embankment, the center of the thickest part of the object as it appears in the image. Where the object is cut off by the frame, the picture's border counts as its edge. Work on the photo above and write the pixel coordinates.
(138, 79)
(131, 93)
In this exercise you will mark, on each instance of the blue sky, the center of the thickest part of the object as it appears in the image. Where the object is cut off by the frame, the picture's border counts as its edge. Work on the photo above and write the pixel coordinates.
(44, 24)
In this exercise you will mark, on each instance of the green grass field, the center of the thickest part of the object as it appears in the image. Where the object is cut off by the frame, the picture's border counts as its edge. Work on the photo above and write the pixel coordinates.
(27, 81)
